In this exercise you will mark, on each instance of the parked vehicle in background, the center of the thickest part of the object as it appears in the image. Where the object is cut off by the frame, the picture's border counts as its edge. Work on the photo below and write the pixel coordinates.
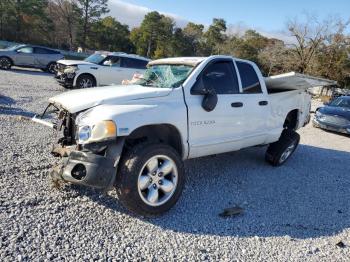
(136, 137)
(31, 57)
(334, 116)
(101, 68)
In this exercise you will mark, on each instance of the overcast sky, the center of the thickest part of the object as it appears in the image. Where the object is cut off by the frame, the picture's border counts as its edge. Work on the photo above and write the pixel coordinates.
(267, 17)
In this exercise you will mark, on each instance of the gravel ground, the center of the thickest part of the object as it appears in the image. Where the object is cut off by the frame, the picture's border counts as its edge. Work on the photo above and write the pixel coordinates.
(296, 212)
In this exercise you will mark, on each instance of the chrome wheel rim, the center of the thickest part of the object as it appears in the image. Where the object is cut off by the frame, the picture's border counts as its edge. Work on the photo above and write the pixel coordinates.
(5, 63)
(85, 83)
(289, 150)
(157, 180)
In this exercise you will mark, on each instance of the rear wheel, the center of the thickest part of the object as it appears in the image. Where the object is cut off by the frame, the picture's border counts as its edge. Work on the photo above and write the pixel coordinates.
(151, 179)
(5, 63)
(279, 152)
(86, 81)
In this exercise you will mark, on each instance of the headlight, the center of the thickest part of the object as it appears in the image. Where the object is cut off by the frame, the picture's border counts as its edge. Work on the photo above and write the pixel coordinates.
(71, 69)
(103, 130)
(84, 133)
(318, 114)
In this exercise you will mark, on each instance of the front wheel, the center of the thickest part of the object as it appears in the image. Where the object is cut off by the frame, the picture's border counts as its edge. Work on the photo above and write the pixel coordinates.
(86, 81)
(279, 152)
(151, 179)
(5, 63)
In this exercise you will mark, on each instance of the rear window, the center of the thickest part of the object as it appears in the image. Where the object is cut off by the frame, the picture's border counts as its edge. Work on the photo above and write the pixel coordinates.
(249, 78)
(134, 63)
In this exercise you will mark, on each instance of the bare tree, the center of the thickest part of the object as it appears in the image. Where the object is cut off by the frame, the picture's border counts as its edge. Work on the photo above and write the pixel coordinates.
(309, 35)
(67, 12)
(274, 58)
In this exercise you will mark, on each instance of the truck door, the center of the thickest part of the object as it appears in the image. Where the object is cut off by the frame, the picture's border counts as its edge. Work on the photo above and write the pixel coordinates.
(256, 108)
(219, 130)
(237, 121)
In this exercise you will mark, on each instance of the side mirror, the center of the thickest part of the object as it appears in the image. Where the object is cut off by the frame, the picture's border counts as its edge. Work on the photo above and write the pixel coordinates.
(326, 103)
(210, 98)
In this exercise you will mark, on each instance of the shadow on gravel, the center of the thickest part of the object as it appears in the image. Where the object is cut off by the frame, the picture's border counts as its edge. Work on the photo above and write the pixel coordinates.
(14, 111)
(6, 100)
(307, 197)
(29, 71)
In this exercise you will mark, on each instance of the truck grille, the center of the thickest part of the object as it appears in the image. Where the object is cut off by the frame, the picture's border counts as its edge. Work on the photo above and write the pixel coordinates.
(335, 120)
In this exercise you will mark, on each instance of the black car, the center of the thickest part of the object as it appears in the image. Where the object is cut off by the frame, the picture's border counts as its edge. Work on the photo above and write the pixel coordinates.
(334, 116)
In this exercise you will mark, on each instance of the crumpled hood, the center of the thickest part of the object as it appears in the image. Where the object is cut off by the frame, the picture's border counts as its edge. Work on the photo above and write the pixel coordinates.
(336, 111)
(78, 100)
(74, 62)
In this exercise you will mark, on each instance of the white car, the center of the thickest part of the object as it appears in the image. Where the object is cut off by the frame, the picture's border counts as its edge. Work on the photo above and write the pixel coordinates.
(99, 69)
(136, 138)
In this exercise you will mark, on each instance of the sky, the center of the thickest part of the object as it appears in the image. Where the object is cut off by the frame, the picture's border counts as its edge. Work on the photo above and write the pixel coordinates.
(268, 17)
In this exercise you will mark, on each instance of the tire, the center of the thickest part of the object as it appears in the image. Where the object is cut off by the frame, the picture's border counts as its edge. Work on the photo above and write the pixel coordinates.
(5, 63)
(85, 81)
(279, 152)
(136, 186)
(51, 68)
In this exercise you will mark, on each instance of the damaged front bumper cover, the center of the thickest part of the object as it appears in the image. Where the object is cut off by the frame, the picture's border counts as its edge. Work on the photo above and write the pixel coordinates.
(90, 169)
(65, 79)
(93, 165)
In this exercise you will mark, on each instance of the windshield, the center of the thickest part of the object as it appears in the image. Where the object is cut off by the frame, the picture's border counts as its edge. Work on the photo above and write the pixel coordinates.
(95, 58)
(341, 102)
(165, 76)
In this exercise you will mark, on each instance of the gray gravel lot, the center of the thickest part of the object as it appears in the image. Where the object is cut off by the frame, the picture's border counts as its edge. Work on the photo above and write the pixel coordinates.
(297, 212)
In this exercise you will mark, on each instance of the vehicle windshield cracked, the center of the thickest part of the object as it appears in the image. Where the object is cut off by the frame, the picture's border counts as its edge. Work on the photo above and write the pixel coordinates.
(165, 76)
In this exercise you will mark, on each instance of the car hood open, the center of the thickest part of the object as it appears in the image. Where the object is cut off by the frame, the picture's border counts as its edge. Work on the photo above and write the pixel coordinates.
(78, 100)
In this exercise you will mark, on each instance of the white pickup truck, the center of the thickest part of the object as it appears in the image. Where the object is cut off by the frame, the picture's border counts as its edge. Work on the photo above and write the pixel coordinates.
(136, 137)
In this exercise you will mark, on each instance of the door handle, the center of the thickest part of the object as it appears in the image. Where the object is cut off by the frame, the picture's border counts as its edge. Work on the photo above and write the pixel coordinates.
(263, 103)
(237, 104)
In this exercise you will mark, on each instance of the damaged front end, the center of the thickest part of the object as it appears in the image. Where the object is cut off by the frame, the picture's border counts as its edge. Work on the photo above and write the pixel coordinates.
(63, 123)
(90, 164)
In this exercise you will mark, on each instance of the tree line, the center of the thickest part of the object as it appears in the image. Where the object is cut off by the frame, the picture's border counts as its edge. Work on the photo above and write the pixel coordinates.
(319, 48)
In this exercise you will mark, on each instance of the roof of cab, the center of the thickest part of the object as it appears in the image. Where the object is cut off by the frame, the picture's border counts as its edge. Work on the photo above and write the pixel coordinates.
(191, 61)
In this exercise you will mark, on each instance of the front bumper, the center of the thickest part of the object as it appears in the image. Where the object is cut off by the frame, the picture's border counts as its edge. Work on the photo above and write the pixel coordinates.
(90, 169)
(65, 79)
(331, 127)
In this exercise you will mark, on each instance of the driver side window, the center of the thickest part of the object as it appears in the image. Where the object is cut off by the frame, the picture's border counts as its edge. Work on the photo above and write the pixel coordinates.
(222, 77)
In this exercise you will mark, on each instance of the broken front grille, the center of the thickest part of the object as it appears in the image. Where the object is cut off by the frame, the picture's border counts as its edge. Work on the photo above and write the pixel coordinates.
(66, 125)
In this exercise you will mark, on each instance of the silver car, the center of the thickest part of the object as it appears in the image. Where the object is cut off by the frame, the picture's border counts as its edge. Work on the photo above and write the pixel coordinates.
(30, 56)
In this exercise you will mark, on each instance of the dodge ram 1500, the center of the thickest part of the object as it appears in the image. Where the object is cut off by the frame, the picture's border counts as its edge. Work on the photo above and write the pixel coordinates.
(136, 137)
